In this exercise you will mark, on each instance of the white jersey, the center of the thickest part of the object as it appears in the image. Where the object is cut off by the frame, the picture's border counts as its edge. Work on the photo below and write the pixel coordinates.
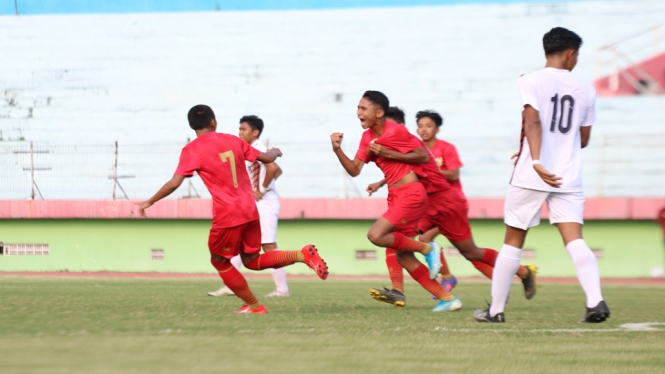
(564, 103)
(272, 191)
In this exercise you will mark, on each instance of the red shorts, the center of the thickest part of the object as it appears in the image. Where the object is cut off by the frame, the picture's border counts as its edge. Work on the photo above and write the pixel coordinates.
(230, 241)
(406, 206)
(448, 211)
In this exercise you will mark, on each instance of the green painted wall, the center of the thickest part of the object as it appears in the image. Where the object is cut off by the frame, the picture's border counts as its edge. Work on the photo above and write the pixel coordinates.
(631, 248)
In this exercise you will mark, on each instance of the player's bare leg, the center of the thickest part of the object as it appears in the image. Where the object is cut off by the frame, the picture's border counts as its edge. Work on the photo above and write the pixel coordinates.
(385, 234)
(586, 267)
(278, 275)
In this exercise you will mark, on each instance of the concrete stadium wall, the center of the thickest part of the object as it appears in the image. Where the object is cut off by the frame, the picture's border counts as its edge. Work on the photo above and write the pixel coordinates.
(93, 79)
(629, 248)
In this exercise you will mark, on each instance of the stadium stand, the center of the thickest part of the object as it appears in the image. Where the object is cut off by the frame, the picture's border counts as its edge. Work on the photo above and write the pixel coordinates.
(75, 84)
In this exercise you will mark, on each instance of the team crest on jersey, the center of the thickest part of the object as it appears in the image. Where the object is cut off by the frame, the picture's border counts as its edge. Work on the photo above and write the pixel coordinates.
(439, 161)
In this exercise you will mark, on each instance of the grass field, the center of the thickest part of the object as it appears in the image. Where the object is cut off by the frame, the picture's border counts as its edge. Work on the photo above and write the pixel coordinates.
(61, 325)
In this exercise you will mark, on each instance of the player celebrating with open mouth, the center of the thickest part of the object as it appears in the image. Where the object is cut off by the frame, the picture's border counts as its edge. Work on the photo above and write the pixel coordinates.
(407, 197)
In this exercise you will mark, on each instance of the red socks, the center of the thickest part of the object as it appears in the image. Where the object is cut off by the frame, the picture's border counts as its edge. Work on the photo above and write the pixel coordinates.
(421, 275)
(490, 257)
(483, 268)
(394, 270)
(235, 281)
(444, 266)
(403, 243)
(273, 259)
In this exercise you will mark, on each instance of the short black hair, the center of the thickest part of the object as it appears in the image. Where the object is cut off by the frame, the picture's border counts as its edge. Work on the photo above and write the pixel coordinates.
(254, 122)
(200, 116)
(559, 39)
(434, 116)
(378, 98)
(395, 113)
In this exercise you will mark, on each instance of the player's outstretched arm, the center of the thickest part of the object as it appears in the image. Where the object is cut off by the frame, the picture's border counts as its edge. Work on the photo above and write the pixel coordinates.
(354, 167)
(163, 192)
(533, 132)
(375, 186)
(417, 156)
(269, 156)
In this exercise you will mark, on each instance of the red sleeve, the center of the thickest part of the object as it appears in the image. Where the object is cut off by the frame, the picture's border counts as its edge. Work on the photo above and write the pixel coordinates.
(451, 158)
(363, 152)
(250, 153)
(400, 140)
(189, 163)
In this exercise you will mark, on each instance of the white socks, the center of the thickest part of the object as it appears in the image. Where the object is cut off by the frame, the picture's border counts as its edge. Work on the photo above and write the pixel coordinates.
(586, 268)
(278, 275)
(507, 264)
(236, 262)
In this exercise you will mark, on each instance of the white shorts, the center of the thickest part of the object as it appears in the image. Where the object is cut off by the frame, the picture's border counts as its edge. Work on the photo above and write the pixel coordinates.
(523, 206)
(268, 214)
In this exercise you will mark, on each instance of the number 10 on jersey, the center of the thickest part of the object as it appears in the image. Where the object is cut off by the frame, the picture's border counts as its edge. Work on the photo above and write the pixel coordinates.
(569, 122)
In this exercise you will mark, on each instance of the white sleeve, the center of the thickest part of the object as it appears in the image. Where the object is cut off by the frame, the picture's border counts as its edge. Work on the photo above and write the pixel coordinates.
(260, 146)
(590, 114)
(527, 92)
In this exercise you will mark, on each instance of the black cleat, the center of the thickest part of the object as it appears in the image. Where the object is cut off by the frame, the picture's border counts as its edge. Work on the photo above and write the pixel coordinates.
(389, 296)
(530, 281)
(483, 315)
(597, 314)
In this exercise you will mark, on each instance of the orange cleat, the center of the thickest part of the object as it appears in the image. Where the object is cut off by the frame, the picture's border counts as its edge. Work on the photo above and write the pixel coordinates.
(314, 261)
(246, 309)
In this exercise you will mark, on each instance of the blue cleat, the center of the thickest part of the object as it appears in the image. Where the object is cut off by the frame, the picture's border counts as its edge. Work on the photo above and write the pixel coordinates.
(448, 306)
(433, 259)
(447, 284)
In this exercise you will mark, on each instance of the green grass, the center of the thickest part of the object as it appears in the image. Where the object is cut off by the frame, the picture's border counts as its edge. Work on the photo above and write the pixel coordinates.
(170, 326)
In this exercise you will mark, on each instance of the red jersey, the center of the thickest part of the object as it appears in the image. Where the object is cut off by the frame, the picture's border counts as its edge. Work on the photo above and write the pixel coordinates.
(430, 175)
(394, 137)
(447, 158)
(661, 220)
(220, 161)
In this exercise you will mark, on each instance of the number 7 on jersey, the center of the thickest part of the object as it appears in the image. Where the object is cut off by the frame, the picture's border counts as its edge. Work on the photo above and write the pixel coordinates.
(228, 156)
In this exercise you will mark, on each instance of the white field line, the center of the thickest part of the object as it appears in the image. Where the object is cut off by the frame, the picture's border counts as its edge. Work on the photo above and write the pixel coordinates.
(626, 327)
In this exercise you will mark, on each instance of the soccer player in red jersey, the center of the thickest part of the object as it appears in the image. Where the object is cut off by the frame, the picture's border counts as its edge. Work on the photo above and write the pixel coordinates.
(446, 157)
(407, 198)
(220, 161)
(448, 210)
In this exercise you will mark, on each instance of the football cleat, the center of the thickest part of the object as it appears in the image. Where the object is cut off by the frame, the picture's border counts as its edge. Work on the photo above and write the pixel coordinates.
(314, 261)
(447, 284)
(530, 281)
(247, 310)
(393, 296)
(277, 293)
(448, 306)
(224, 291)
(483, 315)
(597, 314)
(433, 259)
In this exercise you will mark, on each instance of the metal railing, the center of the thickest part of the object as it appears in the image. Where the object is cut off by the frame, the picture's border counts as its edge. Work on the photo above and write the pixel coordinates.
(619, 60)
(129, 171)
